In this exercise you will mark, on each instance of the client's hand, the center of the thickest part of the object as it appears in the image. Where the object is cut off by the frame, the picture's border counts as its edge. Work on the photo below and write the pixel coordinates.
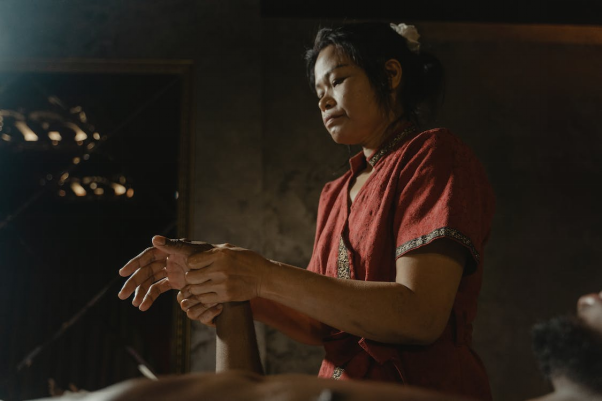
(196, 310)
(158, 269)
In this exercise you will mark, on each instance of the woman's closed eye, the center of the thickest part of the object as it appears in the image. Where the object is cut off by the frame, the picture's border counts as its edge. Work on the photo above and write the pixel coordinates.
(333, 84)
(338, 81)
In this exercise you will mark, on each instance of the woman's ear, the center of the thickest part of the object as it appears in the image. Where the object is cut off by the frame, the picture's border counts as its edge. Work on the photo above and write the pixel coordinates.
(394, 72)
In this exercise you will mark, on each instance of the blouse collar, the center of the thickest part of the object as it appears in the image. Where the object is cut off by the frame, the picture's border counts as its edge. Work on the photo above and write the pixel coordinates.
(393, 141)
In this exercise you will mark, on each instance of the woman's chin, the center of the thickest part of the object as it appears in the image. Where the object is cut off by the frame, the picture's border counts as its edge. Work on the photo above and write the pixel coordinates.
(341, 138)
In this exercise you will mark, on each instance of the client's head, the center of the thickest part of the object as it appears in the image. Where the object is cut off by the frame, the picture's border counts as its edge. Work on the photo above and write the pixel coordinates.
(569, 348)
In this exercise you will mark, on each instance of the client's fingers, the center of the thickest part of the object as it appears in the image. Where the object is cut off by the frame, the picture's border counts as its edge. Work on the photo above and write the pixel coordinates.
(205, 314)
(153, 292)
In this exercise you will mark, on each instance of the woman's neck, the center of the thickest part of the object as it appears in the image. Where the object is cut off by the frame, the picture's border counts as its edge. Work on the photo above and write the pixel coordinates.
(393, 125)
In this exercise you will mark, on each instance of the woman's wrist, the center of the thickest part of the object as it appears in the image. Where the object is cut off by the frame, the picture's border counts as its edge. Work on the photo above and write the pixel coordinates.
(268, 272)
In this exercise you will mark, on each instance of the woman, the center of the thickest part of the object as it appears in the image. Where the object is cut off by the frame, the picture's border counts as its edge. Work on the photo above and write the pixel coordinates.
(392, 285)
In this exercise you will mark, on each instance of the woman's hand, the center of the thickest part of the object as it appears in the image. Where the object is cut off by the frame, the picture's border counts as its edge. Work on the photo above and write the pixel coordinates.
(225, 273)
(158, 269)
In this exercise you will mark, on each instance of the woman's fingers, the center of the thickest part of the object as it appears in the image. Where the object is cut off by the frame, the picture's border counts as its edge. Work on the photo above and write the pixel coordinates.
(154, 291)
(200, 291)
(146, 257)
(205, 313)
(180, 297)
(139, 277)
(193, 301)
(200, 276)
(204, 293)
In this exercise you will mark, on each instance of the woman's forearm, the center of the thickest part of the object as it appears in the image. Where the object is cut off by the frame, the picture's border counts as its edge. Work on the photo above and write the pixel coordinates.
(297, 326)
(381, 311)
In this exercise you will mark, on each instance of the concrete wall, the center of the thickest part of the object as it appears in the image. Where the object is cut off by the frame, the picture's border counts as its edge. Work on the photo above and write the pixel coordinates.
(528, 109)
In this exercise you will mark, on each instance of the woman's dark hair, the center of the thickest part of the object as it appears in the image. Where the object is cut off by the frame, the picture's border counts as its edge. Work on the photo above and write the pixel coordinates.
(370, 45)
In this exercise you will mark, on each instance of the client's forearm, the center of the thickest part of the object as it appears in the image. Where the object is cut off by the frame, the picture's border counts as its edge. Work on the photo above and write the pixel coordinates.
(236, 344)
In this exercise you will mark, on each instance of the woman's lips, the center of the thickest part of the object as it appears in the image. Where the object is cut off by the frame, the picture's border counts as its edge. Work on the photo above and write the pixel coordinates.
(330, 119)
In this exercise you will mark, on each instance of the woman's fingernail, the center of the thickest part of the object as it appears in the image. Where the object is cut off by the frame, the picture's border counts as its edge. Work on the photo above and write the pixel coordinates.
(159, 240)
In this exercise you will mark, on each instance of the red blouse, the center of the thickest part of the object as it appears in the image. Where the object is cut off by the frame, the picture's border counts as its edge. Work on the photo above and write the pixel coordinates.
(424, 186)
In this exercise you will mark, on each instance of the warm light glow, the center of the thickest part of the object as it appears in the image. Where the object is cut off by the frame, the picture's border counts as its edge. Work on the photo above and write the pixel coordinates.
(76, 160)
(82, 117)
(86, 157)
(130, 193)
(6, 137)
(75, 109)
(87, 180)
(62, 193)
(65, 176)
(96, 136)
(80, 135)
(122, 179)
(177, 195)
(78, 189)
(119, 189)
(28, 134)
(99, 191)
(55, 136)
(90, 146)
(93, 186)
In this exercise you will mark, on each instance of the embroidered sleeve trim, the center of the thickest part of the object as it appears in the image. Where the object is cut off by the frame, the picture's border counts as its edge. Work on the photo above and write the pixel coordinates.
(436, 234)
(343, 270)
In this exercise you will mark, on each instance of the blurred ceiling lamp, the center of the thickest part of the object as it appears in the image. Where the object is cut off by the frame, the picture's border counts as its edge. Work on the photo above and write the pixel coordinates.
(119, 189)
(54, 135)
(94, 188)
(28, 134)
(78, 190)
(61, 128)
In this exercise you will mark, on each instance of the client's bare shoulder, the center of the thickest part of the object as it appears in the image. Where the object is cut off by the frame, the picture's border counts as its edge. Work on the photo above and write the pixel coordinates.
(242, 385)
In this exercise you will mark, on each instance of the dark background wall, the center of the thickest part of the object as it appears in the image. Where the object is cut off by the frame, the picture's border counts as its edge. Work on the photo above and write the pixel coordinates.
(526, 102)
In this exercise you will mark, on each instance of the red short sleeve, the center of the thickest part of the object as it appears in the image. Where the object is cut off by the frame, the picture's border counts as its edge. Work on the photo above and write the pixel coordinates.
(442, 192)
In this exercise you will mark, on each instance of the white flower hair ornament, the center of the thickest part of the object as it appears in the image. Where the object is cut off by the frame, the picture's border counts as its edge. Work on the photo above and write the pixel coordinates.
(410, 33)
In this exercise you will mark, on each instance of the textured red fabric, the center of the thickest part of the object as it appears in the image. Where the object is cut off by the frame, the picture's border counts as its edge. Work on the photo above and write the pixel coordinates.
(425, 185)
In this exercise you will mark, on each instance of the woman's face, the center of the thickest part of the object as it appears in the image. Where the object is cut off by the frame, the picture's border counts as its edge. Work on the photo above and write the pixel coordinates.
(350, 111)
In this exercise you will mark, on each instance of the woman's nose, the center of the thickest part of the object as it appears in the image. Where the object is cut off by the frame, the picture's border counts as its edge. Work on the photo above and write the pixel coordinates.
(326, 103)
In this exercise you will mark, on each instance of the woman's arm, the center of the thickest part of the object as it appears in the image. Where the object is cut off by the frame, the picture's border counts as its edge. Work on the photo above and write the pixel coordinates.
(414, 309)
(297, 326)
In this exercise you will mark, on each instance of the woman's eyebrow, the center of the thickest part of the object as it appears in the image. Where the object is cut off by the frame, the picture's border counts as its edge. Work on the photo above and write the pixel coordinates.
(327, 75)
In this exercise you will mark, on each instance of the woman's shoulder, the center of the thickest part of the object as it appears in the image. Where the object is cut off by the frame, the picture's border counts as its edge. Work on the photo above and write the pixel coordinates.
(439, 141)
(436, 137)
